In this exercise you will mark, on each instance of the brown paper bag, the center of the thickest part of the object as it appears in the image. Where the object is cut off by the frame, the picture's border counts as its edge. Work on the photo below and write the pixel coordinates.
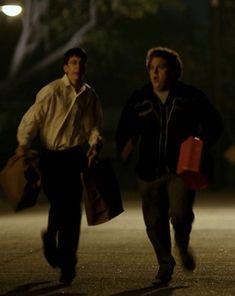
(103, 198)
(20, 180)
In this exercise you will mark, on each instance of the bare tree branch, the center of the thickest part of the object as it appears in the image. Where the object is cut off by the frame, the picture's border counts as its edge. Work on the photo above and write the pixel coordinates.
(31, 34)
(35, 31)
(75, 40)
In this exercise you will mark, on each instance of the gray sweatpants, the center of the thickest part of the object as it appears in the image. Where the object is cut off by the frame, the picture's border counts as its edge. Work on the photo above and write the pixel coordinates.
(163, 200)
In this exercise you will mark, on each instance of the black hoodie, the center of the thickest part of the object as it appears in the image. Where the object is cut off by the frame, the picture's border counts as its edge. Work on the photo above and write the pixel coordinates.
(161, 128)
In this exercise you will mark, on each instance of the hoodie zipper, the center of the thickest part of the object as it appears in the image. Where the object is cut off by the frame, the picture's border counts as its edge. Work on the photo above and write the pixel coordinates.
(163, 137)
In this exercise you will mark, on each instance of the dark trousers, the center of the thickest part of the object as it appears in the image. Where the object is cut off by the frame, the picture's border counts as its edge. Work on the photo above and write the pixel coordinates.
(63, 187)
(167, 199)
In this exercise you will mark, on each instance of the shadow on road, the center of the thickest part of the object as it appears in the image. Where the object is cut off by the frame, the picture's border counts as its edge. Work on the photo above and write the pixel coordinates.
(29, 290)
(156, 290)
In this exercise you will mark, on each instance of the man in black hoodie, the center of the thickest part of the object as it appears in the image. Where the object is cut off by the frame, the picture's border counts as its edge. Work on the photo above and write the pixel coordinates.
(160, 116)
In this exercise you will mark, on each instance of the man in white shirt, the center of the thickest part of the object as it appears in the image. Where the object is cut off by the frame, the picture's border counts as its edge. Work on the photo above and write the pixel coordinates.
(68, 116)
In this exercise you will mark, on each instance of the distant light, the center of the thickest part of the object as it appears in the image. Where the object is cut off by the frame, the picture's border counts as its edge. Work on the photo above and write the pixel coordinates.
(214, 3)
(11, 10)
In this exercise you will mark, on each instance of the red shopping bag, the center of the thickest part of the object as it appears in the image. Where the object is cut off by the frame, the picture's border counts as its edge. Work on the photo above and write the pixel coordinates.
(191, 163)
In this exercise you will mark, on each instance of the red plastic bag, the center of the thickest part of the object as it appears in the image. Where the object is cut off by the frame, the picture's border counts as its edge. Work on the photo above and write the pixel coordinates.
(190, 165)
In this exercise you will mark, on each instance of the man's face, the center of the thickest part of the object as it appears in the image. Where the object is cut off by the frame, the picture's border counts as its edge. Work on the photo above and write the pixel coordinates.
(75, 69)
(159, 74)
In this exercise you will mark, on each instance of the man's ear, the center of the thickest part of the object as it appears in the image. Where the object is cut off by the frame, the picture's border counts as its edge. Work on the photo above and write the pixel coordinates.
(66, 69)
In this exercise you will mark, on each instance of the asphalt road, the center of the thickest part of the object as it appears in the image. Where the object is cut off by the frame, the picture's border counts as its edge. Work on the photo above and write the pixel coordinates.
(116, 258)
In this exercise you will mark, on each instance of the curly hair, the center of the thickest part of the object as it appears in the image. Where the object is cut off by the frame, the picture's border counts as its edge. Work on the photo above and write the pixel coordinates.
(171, 56)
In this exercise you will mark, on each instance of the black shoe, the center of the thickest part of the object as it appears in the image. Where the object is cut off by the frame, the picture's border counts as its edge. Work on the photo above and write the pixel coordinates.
(187, 260)
(163, 276)
(50, 250)
(67, 275)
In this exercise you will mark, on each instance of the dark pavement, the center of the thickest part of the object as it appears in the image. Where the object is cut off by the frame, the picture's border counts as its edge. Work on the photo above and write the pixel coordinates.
(116, 258)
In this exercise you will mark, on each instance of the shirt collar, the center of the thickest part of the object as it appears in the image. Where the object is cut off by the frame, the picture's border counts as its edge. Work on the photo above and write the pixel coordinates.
(67, 83)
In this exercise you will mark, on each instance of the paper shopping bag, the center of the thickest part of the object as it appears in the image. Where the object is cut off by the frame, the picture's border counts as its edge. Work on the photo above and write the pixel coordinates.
(103, 199)
(20, 180)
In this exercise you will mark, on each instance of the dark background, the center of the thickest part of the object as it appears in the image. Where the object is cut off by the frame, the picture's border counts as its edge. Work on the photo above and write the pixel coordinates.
(201, 31)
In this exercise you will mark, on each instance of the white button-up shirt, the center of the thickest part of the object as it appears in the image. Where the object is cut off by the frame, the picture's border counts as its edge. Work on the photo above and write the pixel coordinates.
(63, 117)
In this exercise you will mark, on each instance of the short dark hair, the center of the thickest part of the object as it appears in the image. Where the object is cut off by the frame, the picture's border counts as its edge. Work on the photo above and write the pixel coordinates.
(76, 51)
(171, 56)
